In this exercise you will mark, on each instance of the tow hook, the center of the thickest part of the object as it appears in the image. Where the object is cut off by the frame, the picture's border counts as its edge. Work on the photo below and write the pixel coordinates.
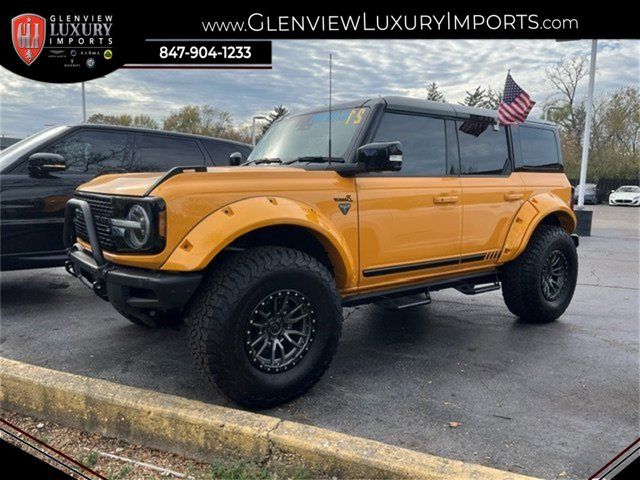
(100, 289)
(68, 266)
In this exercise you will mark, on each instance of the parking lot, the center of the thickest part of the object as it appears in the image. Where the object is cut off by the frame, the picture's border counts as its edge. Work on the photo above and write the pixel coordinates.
(556, 400)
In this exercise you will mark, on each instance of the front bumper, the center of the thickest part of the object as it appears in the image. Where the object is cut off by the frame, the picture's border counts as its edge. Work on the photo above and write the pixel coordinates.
(129, 289)
(631, 203)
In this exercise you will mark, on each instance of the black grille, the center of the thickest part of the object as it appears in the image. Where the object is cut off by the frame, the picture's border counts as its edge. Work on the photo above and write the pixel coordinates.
(102, 214)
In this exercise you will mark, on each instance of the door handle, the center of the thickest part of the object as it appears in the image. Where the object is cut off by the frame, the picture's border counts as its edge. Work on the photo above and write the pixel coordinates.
(512, 196)
(445, 199)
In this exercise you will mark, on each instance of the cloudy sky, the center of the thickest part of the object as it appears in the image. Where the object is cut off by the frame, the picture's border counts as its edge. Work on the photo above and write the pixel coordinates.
(299, 78)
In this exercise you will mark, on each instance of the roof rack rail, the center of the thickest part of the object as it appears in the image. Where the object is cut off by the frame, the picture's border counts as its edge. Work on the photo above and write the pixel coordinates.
(172, 173)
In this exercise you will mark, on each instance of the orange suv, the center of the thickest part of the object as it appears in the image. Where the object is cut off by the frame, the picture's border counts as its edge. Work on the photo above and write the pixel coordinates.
(379, 201)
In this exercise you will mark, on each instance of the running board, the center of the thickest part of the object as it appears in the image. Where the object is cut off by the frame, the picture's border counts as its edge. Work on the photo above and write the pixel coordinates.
(469, 289)
(453, 281)
(410, 301)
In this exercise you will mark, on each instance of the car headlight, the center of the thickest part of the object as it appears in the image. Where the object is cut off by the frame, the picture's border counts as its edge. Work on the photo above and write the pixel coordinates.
(138, 225)
(136, 228)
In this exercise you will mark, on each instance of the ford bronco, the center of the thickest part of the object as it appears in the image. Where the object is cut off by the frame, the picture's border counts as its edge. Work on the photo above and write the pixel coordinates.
(378, 201)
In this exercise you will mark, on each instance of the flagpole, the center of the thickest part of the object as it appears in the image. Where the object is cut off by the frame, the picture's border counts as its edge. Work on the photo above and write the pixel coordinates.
(587, 125)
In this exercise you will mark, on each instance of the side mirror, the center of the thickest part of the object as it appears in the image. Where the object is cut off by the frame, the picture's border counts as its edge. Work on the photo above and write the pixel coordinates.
(235, 159)
(613, 191)
(380, 157)
(43, 163)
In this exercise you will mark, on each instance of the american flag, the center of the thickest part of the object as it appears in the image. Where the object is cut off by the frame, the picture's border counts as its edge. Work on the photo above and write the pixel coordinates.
(515, 105)
(476, 125)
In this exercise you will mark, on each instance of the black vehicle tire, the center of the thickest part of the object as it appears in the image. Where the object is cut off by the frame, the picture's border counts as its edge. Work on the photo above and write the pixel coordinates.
(171, 319)
(230, 307)
(530, 288)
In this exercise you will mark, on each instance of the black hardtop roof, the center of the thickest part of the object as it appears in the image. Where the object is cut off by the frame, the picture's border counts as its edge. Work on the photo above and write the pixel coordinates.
(156, 131)
(423, 106)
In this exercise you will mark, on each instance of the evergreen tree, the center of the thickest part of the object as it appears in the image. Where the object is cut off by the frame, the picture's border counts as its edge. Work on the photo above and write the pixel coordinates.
(476, 98)
(434, 93)
(278, 112)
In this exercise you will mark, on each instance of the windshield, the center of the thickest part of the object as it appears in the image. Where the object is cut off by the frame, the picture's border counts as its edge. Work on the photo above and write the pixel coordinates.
(307, 135)
(18, 149)
(629, 189)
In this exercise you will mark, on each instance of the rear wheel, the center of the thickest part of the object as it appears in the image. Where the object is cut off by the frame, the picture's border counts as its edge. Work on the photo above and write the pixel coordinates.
(265, 325)
(538, 285)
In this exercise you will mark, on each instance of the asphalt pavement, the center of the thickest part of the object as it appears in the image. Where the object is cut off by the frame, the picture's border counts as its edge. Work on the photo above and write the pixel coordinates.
(556, 400)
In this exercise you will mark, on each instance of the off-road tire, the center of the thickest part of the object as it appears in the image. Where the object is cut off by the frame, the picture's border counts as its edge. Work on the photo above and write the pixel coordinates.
(161, 320)
(222, 309)
(522, 287)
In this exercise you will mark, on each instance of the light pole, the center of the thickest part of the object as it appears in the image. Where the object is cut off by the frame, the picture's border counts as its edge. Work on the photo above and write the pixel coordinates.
(253, 129)
(587, 125)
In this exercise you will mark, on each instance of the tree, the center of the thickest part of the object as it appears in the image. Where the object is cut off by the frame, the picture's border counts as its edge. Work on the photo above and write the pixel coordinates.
(492, 98)
(483, 98)
(200, 120)
(278, 112)
(145, 121)
(475, 98)
(615, 135)
(565, 77)
(434, 93)
(124, 119)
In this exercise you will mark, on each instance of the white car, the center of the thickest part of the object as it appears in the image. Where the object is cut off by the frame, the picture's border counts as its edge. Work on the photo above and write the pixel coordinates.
(625, 195)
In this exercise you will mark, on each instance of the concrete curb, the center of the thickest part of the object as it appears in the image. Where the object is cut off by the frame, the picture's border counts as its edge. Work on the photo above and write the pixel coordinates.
(206, 432)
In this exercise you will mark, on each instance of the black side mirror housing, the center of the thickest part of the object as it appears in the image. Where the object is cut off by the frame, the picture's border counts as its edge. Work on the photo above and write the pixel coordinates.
(235, 159)
(44, 163)
(380, 157)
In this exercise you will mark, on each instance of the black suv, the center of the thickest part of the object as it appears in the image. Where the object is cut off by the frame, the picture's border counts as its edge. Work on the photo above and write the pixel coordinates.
(39, 174)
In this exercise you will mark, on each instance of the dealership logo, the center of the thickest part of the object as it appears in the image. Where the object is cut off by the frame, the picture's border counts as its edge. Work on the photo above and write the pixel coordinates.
(28, 34)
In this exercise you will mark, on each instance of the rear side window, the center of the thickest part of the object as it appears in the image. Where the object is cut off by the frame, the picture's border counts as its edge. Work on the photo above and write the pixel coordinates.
(155, 153)
(538, 148)
(424, 145)
(483, 150)
(90, 151)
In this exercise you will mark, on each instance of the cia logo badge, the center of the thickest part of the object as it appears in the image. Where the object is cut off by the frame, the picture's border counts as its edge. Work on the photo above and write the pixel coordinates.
(344, 207)
(28, 35)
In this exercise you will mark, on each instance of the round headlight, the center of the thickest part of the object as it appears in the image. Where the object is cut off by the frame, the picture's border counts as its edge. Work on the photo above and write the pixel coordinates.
(137, 237)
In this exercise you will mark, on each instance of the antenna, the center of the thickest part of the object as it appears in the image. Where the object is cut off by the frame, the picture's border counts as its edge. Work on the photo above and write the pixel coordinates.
(330, 92)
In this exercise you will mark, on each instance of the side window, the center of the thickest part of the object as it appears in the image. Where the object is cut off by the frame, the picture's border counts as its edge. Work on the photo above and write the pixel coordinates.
(423, 142)
(157, 153)
(88, 151)
(220, 151)
(538, 148)
(483, 150)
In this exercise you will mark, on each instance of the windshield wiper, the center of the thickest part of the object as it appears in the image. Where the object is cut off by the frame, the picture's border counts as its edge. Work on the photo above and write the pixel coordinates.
(314, 159)
(264, 160)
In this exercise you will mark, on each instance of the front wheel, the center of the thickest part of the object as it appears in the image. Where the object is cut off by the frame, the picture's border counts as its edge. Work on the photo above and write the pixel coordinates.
(265, 325)
(538, 285)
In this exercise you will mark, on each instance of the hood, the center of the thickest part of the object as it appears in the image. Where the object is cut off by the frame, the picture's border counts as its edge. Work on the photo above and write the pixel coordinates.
(130, 184)
(138, 184)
